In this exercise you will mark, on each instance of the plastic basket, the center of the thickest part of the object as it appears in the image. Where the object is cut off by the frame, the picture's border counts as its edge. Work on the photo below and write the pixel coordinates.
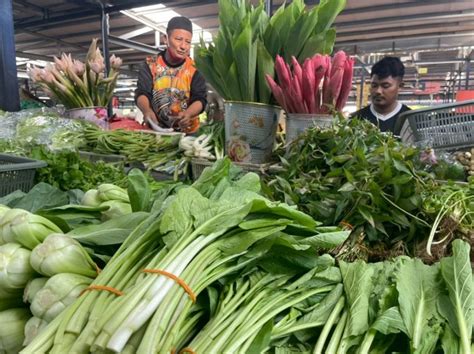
(443, 127)
(17, 173)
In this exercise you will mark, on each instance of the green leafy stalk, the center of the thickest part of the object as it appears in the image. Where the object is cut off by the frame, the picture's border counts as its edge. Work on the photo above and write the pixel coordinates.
(458, 306)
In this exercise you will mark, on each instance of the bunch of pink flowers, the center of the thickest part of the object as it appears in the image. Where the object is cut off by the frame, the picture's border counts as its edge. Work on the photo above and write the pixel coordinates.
(76, 84)
(318, 86)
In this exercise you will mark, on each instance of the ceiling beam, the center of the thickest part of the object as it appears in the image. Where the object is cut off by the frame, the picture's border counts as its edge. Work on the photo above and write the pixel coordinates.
(33, 8)
(469, 34)
(133, 45)
(59, 41)
(400, 20)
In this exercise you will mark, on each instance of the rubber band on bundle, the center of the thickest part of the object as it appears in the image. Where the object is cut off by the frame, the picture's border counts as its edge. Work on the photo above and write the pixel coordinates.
(178, 280)
(102, 288)
(187, 350)
(346, 225)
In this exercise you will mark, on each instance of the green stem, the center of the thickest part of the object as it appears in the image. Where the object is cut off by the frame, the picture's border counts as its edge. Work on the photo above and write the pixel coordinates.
(337, 334)
(318, 349)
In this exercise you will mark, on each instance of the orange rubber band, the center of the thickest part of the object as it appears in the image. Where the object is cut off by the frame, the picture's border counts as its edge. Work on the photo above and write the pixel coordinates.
(178, 280)
(103, 288)
(173, 351)
(187, 350)
(347, 225)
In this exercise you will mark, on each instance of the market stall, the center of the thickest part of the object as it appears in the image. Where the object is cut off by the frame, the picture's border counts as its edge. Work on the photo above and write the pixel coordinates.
(284, 228)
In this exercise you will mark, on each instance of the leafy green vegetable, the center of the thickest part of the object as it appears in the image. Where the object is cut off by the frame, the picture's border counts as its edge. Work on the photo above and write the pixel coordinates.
(418, 289)
(458, 306)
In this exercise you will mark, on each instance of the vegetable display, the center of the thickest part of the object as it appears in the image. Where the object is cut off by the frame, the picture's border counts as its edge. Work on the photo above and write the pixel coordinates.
(354, 175)
(243, 52)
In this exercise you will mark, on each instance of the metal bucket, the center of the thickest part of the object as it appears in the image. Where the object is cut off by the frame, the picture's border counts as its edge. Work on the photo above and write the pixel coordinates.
(250, 130)
(96, 115)
(297, 123)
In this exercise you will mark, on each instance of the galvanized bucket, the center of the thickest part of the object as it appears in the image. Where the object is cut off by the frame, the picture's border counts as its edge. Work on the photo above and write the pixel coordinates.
(250, 130)
(297, 123)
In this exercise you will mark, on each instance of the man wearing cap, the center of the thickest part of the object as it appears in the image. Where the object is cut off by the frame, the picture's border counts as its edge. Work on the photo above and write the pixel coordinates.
(170, 92)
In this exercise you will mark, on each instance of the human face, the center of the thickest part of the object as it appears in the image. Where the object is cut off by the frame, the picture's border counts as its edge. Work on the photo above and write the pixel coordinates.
(384, 92)
(179, 44)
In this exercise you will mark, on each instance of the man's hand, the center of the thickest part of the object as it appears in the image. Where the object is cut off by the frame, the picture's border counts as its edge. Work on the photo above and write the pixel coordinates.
(184, 121)
(149, 115)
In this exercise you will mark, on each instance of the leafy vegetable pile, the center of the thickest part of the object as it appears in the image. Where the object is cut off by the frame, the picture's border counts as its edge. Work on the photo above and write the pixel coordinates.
(353, 174)
(217, 227)
(67, 170)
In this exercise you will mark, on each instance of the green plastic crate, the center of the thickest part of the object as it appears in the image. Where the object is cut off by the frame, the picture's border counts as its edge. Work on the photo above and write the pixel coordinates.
(17, 173)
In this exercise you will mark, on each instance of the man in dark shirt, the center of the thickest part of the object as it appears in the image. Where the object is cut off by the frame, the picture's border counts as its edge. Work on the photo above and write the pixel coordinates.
(170, 92)
(386, 80)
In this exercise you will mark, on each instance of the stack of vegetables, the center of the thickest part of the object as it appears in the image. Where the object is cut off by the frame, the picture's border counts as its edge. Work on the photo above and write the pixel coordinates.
(316, 87)
(216, 228)
(355, 175)
(41, 265)
(154, 151)
(215, 267)
(46, 270)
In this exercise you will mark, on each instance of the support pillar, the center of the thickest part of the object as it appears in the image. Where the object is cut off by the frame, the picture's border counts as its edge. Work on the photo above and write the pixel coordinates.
(105, 49)
(9, 95)
(268, 7)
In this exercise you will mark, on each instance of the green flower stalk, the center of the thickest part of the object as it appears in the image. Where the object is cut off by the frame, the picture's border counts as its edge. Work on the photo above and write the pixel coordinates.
(12, 329)
(62, 254)
(18, 225)
(32, 287)
(15, 268)
(59, 292)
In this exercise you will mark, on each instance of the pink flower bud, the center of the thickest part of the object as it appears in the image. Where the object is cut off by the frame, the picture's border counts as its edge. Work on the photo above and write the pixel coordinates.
(79, 67)
(115, 62)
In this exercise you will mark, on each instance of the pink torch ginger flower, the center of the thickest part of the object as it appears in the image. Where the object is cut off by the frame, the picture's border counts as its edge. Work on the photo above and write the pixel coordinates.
(35, 74)
(79, 67)
(97, 65)
(115, 62)
(47, 75)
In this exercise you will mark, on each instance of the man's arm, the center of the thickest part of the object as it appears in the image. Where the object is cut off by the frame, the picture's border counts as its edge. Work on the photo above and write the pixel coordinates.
(143, 93)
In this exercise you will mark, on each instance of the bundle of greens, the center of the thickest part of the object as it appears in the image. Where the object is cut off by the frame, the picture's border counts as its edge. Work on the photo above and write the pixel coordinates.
(154, 151)
(355, 175)
(217, 227)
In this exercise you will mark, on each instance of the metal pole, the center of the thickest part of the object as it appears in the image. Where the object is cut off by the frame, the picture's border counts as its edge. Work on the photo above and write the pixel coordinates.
(468, 71)
(105, 48)
(362, 79)
(9, 95)
(268, 7)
